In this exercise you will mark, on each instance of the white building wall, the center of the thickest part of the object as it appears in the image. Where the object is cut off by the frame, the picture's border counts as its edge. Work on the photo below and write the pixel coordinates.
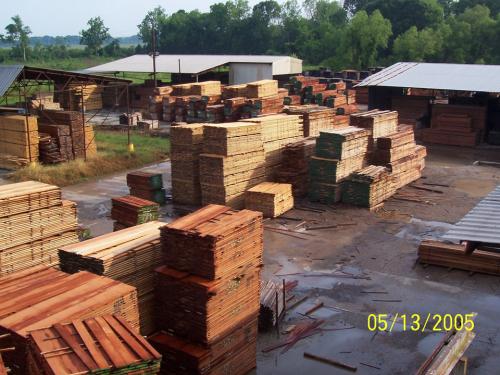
(248, 72)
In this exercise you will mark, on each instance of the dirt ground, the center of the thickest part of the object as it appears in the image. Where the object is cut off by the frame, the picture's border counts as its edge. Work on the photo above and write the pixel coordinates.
(376, 252)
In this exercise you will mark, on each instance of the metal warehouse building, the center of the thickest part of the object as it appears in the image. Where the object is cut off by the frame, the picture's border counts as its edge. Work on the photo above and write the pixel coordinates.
(240, 68)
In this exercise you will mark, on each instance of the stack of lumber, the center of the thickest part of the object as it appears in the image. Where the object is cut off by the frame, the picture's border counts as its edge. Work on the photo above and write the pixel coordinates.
(70, 97)
(18, 141)
(206, 88)
(129, 211)
(261, 89)
(129, 256)
(411, 108)
(262, 106)
(186, 142)
(456, 256)
(44, 100)
(403, 158)
(234, 91)
(3, 369)
(338, 153)
(208, 292)
(233, 161)
(315, 118)
(41, 296)
(49, 150)
(233, 108)
(212, 113)
(292, 100)
(277, 131)
(147, 186)
(380, 123)
(214, 242)
(362, 95)
(34, 222)
(457, 125)
(182, 89)
(295, 165)
(105, 344)
(168, 108)
(271, 198)
(368, 187)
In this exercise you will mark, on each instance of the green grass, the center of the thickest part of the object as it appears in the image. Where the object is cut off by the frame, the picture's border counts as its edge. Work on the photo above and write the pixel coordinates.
(112, 156)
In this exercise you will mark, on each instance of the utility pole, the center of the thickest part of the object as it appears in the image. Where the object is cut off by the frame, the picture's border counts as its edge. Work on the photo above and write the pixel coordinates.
(154, 53)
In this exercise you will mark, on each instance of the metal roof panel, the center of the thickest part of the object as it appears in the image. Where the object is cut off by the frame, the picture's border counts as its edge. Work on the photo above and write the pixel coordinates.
(8, 74)
(460, 77)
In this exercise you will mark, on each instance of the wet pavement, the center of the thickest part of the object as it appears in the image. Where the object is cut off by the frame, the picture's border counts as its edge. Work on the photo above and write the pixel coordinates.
(344, 266)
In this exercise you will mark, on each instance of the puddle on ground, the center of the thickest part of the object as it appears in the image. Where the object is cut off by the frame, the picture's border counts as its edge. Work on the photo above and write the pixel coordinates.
(474, 187)
(417, 229)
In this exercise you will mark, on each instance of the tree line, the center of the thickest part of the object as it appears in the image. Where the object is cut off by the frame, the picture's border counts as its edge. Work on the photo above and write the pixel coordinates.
(357, 34)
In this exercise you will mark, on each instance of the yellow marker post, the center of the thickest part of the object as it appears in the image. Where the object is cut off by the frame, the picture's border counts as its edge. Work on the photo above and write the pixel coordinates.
(131, 148)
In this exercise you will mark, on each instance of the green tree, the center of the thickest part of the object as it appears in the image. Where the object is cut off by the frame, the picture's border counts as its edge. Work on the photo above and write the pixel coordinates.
(461, 5)
(414, 45)
(95, 36)
(367, 36)
(18, 34)
(153, 19)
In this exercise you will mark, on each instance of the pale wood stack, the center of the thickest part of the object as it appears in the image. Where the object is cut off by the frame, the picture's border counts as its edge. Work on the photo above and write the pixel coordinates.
(315, 118)
(129, 256)
(368, 187)
(233, 161)
(343, 151)
(295, 165)
(206, 88)
(186, 143)
(208, 292)
(44, 100)
(270, 198)
(70, 97)
(234, 91)
(403, 158)
(380, 123)
(262, 89)
(39, 297)
(18, 141)
(34, 222)
(104, 344)
(277, 131)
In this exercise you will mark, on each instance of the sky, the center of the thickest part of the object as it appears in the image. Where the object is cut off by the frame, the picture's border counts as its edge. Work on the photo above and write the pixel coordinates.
(69, 17)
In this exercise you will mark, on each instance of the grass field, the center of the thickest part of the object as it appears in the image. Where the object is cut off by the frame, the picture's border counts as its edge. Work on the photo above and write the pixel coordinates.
(113, 156)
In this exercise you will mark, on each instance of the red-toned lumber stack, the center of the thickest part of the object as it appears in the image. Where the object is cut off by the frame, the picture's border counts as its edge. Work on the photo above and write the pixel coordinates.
(129, 211)
(234, 91)
(104, 344)
(40, 297)
(233, 108)
(362, 95)
(295, 165)
(3, 369)
(147, 186)
(399, 153)
(208, 291)
(458, 125)
(411, 108)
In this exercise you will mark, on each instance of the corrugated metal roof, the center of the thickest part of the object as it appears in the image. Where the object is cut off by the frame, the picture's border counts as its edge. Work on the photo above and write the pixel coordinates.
(481, 224)
(190, 64)
(460, 77)
(8, 74)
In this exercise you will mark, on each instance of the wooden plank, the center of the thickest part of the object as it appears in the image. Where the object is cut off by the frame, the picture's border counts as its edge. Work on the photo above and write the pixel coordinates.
(73, 344)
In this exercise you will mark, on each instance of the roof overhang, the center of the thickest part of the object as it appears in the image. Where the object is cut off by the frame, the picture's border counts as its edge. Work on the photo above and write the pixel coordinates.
(457, 77)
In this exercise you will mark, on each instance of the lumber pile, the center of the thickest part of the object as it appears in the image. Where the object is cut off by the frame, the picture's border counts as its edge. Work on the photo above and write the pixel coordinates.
(234, 107)
(456, 125)
(315, 118)
(72, 95)
(233, 161)
(104, 344)
(450, 255)
(34, 222)
(147, 186)
(403, 158)
(234, 91)
(270, 198)
(41, 296)
(206, 88)
(380, 123)
(129, 211)
(44, 100)
(295, 165)
(411, 109)
(186, 143)
(49, 150)
(343, 151)
(129, 256)
(368, 187)
(208, 291)
(18, 141)
(277, 131)
(262, 89)
(3, 368)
